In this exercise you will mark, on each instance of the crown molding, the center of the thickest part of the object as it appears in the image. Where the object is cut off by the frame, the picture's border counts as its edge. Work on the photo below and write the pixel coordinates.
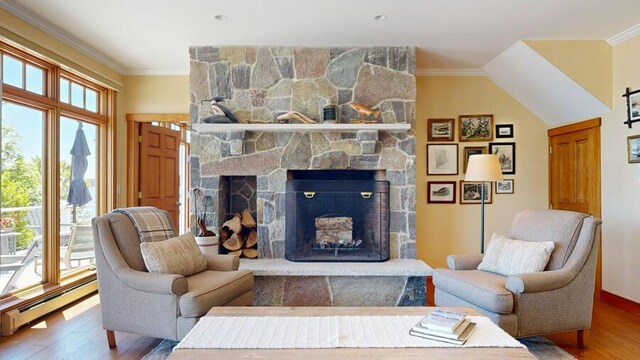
(450, 72)
(158, 72)
(59, 34)
(624, 36)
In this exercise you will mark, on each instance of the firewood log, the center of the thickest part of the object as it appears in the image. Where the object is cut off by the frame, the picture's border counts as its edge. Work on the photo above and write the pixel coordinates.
(234, 243)
(225, 233)
(250, 253)
(247, 220)
(235, 253)
(234, 224)
(252, 239)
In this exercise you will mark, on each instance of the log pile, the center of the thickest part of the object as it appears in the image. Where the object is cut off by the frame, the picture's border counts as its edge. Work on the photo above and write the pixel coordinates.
(239, 235)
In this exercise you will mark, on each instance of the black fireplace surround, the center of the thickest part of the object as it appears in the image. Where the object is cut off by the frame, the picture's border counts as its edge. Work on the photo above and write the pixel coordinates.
(337, 216)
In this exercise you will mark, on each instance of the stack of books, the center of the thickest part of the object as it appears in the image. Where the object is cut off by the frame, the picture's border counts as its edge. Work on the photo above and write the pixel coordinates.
(442, 325)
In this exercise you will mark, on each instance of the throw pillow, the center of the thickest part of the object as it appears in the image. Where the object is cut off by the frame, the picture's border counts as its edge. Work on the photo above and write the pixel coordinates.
(179, 255)
(507, 256)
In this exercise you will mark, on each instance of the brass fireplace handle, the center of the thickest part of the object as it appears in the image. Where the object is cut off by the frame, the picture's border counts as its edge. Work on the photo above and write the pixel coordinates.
(366, 195)
(309, 194)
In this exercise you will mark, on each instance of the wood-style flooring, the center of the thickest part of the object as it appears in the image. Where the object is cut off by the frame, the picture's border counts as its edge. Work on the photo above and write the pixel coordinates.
(75, 332)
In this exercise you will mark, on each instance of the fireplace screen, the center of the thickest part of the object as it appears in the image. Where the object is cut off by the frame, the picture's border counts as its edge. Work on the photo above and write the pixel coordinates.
(337, 216)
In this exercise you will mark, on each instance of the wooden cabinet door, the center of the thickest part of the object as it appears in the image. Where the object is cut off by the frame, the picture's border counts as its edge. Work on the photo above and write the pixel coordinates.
(574, 172)
(159, 169)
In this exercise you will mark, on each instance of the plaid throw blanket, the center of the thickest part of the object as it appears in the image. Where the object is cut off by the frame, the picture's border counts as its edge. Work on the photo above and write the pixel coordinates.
(152, 224)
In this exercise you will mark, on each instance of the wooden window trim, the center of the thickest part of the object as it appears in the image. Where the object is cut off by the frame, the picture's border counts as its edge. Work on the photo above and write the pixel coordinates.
(105, 118)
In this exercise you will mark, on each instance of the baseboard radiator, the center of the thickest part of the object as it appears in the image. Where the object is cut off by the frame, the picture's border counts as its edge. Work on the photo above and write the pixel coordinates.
(12, 320)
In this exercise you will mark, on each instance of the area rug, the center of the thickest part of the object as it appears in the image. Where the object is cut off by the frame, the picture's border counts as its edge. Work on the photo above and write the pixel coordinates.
(542, 348)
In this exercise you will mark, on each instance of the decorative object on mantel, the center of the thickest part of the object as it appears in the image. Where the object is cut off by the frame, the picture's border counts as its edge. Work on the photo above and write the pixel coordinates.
(633, 106)
(330, 114)
(482, 168)
(476, 127)
(239, 235)
(365, 115)
(504, 131)
(441, 129)
(295, 117)
(633, 148)
(221, 115)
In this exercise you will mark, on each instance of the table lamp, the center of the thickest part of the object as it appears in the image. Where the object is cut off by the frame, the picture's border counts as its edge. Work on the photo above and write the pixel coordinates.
(483, 167)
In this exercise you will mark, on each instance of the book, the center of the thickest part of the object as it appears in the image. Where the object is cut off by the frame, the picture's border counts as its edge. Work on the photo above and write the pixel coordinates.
(454, 335)
(442, 320)
(460, 341)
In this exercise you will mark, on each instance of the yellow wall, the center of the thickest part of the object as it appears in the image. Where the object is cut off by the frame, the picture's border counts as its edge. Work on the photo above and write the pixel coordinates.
(621, 183)
(586, 62)
(156, 94)
(444, 229)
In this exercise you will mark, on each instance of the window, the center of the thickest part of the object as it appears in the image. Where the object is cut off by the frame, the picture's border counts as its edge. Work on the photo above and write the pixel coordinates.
(53, 178)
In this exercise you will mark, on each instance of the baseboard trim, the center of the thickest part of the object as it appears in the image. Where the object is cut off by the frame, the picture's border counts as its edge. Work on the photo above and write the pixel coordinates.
(620, 302)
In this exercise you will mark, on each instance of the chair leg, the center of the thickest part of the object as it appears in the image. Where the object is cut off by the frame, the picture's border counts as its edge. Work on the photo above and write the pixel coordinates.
(111, 339)
(581, 342)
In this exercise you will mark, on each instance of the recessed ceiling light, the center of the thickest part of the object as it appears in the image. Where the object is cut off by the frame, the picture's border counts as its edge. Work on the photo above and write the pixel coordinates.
(220, 17)
(380, 17)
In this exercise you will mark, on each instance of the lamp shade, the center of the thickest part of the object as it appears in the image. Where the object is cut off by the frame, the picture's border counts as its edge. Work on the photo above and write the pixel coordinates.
(483, 167)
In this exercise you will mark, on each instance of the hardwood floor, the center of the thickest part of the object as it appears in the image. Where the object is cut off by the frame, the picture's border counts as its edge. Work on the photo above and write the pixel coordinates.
(75, 332)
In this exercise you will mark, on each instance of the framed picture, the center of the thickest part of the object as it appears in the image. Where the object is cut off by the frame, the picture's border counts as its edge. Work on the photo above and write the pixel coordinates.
(472, 150)
(442, 159)
(504, 131)
(470, 192)
(506, 154)
(441, 192)
(633, 148)
(504, 187)
(476, 127)
(441, 129)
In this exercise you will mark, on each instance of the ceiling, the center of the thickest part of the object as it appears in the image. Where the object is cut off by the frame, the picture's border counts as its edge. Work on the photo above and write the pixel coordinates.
(153, 36)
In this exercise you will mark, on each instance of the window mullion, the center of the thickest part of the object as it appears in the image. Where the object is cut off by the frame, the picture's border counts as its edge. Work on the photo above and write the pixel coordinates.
(51, 265)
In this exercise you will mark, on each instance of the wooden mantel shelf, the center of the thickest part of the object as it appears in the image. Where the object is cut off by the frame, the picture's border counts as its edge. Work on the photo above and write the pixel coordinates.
(209, 128)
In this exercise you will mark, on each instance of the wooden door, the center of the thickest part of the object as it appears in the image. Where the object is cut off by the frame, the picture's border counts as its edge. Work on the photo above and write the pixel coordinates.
(574, 172)
(159, 169)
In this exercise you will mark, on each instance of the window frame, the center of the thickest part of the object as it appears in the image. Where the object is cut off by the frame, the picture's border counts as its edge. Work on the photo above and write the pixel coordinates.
(104, 119)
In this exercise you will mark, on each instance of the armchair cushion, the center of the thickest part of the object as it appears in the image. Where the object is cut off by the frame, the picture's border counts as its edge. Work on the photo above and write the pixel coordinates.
(213, 288)
(484, 289)
(510, 257)
(179, 255)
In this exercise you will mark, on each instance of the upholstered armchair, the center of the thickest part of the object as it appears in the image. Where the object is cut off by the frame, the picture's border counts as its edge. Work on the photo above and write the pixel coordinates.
(558, 299)
(158, 305)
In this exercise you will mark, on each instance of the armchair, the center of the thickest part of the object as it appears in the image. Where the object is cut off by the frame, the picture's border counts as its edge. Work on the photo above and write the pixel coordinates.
(558, 299)
(159, 305)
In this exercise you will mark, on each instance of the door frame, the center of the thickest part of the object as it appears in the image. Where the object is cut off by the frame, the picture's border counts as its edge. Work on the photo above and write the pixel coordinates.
(133, 151)
(597, 211)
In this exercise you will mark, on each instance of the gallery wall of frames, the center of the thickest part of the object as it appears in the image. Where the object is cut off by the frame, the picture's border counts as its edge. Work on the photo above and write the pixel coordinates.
(450, 143)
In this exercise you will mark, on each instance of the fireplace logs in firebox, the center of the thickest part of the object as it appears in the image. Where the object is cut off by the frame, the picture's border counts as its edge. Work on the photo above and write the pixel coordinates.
(239, 235)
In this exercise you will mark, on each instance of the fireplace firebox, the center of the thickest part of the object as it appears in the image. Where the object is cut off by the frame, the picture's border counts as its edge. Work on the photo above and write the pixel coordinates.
(337, 216)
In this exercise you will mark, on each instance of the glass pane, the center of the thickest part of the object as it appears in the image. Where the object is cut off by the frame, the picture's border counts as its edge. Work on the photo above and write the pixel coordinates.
(35, 79)
(64, 91)
(12, 71)
(155, 123)
(77, 95)
(92, 100)
(22, 182)
(78, 193)
(174, 127)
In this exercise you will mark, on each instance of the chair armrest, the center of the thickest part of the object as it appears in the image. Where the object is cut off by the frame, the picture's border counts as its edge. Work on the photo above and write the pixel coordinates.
(464, 262)
(222, 262)
(538, 281)
(168, 284)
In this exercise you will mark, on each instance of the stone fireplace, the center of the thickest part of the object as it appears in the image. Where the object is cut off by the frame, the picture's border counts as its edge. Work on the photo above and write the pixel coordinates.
(263, 82)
